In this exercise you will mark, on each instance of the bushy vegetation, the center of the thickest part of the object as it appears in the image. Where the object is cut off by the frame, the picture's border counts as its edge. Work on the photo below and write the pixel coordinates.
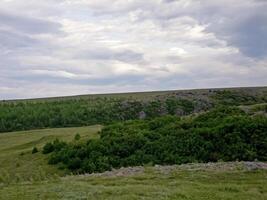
(227, 97)
(225, 133)
(77, 137)
(56, 145)
(24, 175)
(26, 115)
(18, 164)
(35, 114)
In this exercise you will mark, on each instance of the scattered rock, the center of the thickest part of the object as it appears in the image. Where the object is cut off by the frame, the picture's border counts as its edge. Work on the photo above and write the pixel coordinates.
(219, 166)
(142, 115)
(124, 171)
(255, 165)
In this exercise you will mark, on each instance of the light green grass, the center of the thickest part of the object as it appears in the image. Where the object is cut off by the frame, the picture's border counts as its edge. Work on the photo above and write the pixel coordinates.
(17, 163)
(24, 175)
(179, 184)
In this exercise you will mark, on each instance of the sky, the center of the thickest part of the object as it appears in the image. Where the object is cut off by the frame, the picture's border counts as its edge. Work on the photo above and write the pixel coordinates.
(70, 47)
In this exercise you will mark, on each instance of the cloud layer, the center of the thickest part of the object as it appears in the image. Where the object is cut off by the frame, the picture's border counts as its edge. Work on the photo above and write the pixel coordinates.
(67, 47)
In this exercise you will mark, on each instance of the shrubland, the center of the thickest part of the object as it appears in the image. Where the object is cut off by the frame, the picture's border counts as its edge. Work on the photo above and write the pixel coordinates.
(224, 133)
(150, 130)
(101, 109)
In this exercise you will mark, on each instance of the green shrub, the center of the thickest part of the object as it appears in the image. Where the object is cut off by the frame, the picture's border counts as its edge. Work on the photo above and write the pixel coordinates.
(226, 134)
(34, 150)
(77, 137)
(56, 145)
(48, 148)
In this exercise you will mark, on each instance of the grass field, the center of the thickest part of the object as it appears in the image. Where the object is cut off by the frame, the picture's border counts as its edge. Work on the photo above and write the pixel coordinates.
(24, 175)
(152, 184)
(17, 163)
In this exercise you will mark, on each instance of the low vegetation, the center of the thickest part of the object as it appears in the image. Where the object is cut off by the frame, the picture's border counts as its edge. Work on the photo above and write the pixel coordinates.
(17, 161)
(194, 182)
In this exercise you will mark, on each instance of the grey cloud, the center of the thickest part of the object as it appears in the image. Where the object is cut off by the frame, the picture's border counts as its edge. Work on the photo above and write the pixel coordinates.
(244, 27)
(72, 45)
(250, 35)
(27, 24)
(79, 80)
(127, 55)
(19, 35)
(13, 40)
(241, 23)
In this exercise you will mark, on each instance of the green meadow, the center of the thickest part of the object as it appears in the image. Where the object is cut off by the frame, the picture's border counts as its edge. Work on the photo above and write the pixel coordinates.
(28, 176)
(17, 163)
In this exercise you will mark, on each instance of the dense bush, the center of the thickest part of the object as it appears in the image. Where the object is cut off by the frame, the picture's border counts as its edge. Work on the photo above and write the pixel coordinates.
(77, 137)
(81, 112)
(227, 97)
(55, 146)
(226, 134)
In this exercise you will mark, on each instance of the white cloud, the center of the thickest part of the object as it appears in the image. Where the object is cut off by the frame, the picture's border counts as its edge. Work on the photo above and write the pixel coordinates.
(59, 73)
(126, 45)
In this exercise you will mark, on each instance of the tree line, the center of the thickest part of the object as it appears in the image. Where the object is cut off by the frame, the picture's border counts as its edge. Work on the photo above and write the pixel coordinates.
(69, 113)
(27, 115)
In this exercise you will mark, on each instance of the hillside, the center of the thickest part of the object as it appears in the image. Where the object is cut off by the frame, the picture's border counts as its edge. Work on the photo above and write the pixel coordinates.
(28, 176)
(105, 109)
(226, 133)
(194, 144)
(17, 163)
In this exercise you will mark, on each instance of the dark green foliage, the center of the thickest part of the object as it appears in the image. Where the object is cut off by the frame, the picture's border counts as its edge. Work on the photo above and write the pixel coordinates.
(56, 145)
(77, 137)
(225, 133)
(34, 150)
(179, 106)
(48, 148)
(69, 112)
(227, 97)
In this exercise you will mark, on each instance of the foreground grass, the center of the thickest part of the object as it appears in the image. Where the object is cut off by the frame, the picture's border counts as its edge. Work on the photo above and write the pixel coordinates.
(17, 163)
(152, 184)
(24, 175)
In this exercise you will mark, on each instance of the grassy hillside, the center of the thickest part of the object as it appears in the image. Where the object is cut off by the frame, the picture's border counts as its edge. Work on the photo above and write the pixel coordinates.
(232, 181)
(17, 163)
(164, 128)
(24, 175)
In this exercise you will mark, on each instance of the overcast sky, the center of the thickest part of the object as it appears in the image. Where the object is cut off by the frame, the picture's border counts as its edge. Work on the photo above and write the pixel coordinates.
(69, 47)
